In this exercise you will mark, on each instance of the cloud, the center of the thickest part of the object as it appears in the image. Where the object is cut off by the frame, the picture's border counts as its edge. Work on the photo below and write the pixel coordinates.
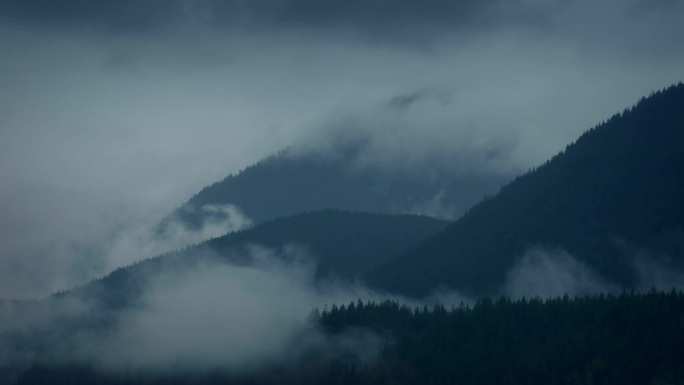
(659, 275)
(206, 317)
(133, 244)
(386, 136)
(406, 18)
(52, 255)
(217, 220)
(553, 273)
(410, 22)
(656, 266)
(86, 151)
(216, 316)
(203, 317)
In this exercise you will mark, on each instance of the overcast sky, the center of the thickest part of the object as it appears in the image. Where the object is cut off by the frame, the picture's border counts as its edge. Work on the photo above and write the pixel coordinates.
(112, 113)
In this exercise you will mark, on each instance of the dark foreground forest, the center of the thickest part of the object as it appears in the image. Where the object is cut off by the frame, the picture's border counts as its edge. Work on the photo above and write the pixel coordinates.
(605, 339)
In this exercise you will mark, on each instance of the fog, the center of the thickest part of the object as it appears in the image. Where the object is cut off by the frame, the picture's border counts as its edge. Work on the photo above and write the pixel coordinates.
(211, 316)
(112, 116)
(553, 272)
(252, 317)
(235, 318)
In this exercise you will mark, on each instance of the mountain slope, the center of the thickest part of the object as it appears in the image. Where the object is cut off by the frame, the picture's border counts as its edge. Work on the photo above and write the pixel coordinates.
(343, 245)
(615, 193)
(287, 184)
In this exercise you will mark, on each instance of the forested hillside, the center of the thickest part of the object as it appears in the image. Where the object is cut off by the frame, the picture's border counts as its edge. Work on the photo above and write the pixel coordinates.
(625, 339)
(341, 245)
(287, 184)
(613, 195)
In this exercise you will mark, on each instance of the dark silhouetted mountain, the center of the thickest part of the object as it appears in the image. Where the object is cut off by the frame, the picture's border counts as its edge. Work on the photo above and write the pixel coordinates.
(343, 245)
(287, 184)
(614, 195)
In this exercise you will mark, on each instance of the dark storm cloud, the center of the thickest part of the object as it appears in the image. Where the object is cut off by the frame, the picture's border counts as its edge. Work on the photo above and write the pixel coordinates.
(118, 15)
(637, 27)
(397, 16)
(394, 17)
(658, 5)
(404, 101)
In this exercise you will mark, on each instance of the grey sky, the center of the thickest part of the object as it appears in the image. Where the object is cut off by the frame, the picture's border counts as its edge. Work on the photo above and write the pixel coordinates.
(379, 16)
(115, 112)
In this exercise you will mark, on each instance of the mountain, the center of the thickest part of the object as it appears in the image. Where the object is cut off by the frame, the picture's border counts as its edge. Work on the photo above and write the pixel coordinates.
(610, 198)
(343, 245)
(288, 183)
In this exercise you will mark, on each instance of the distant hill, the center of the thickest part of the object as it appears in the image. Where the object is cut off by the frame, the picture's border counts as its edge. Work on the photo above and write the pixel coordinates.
(616, 192)
(288, 184)
(344, 245)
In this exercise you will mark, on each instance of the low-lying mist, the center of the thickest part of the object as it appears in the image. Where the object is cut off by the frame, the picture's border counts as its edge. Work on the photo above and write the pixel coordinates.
(245, 318)
(553, 272)
(210, 316)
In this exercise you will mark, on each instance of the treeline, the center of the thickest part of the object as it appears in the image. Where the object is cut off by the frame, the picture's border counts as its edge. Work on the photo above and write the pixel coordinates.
(604, 339)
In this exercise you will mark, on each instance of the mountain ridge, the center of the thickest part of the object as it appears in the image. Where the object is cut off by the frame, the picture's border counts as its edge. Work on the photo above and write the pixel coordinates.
(343, 245)
(618, 183)
(289, 183)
